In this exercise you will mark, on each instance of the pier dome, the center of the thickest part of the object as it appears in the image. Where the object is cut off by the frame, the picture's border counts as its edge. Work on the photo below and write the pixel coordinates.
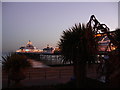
(28, 48)
(29, 45)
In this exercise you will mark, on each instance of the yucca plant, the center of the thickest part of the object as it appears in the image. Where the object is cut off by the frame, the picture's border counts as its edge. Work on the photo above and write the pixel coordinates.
(79, 45)
(14, 65)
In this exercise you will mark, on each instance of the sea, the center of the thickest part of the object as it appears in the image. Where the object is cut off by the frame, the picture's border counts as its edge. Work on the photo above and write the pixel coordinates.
(34, 62)
(46, 59)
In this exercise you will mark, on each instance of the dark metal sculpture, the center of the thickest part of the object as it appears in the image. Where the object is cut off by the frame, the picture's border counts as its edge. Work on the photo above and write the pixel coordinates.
(101, 28)
(112, 64)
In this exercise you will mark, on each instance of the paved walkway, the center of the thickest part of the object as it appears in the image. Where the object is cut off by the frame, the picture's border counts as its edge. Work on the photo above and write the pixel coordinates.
(38, 82)
(37, 64)
(49, 76)
(44, 76)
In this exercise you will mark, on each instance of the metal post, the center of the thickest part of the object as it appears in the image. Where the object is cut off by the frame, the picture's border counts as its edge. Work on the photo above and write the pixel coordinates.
(59, 74)
(45, 75)
(29, 75)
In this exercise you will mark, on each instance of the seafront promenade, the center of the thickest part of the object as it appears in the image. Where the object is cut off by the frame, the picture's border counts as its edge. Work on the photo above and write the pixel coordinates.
(41, 74)
(44, 76)
(37, 64)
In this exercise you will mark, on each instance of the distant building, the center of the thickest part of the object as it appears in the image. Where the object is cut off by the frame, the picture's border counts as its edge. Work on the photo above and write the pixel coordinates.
(48, 50)
(29, 48)
(104, 43)
(57, 50)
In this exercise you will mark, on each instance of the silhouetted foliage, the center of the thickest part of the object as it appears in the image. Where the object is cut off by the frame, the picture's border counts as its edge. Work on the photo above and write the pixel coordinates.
(15, 65)
(76, 41)
(79, 45)
(15, 62)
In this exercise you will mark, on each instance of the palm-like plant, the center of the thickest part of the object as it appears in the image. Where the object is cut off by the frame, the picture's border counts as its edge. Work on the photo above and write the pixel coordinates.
(78, 45)
(14, 65)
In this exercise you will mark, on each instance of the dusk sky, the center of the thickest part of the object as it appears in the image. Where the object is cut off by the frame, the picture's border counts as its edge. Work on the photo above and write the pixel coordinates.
(43, 23)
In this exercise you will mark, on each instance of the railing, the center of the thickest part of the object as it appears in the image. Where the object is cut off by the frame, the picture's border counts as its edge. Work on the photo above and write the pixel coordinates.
(46, 73)
(58, 74)
(55, 73)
